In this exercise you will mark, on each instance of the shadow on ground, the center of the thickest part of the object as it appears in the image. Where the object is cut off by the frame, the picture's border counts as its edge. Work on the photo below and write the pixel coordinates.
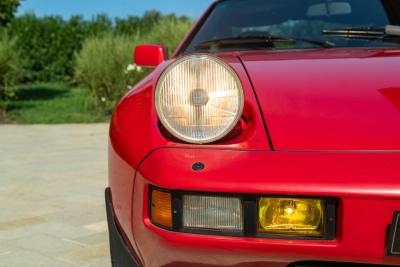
(40, 93)
(27, 95)
(51, 103)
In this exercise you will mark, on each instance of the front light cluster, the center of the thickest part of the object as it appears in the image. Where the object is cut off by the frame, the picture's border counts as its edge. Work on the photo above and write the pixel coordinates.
(289, 217)
(199, 99)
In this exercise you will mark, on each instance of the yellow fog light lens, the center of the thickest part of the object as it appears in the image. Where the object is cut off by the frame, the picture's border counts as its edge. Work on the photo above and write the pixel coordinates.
(291, 216)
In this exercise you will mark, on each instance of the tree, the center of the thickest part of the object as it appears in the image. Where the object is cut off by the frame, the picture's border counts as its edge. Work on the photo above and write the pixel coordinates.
(7, 10)
(9, 68)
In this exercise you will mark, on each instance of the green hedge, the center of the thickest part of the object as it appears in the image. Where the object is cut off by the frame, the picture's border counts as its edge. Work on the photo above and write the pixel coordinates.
(10, 69)
(49, 44)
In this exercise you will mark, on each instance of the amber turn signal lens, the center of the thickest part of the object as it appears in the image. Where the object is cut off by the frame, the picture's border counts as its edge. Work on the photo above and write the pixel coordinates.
(291, 216)
(161, 208)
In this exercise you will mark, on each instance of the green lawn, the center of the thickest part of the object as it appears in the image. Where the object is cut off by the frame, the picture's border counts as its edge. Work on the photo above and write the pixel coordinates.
(53, 103)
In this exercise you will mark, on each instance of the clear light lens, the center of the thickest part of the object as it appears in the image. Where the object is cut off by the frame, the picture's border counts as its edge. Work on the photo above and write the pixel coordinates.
(199, 99)
(291, 216)
(212, 213)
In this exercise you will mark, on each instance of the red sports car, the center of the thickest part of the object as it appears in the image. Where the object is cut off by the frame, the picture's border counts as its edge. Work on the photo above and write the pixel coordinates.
(271, 137)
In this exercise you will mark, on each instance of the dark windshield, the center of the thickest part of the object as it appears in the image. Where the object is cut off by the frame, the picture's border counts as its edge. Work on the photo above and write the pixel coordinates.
(306, 19)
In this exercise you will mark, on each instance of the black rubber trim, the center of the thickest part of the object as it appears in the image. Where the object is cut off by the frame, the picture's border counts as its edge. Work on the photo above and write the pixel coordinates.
(393, 246)
(332, 264)
(120, 254)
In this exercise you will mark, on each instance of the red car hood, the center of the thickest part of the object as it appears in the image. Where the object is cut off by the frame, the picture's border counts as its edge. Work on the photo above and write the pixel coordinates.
(328, 99)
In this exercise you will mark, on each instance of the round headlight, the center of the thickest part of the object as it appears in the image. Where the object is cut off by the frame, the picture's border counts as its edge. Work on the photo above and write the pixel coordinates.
(199, 99)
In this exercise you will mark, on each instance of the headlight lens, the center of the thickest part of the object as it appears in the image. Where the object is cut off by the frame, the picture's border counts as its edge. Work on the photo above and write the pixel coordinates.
(213, 213)
(199, 99)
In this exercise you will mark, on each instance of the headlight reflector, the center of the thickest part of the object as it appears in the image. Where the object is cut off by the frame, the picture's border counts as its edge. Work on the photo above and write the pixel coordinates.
(291, 216)
(199, 99)
(212, 213)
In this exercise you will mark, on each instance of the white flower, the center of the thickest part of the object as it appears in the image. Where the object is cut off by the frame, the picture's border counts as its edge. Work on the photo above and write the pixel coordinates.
(131, 67)
(103, 99)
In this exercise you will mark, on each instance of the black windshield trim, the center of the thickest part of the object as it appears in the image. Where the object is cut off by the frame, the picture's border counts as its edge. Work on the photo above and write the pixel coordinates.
(266, 41)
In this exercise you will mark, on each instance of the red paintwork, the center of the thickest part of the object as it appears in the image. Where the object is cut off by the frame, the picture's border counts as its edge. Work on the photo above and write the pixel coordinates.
(134, 134)
(134, 128)
(149, 55)
(366, 183)
(329, 100)
(334, 121)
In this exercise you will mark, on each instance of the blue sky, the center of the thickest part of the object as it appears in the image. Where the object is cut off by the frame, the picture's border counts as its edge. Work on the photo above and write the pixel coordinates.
(114, 8)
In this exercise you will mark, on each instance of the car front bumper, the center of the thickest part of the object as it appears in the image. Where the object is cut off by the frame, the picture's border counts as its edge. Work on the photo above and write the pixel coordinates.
(366, 185)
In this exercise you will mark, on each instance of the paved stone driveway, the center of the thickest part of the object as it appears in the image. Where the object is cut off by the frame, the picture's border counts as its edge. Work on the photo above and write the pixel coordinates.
(52, 180)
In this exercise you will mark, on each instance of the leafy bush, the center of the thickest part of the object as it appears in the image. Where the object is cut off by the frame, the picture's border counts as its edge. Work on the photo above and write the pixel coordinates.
(169, 32)
(102, 67)
(9, 67)
(104, 64)
(50, 43)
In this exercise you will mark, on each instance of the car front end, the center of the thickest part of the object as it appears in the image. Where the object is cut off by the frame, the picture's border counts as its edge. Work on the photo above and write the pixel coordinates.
(261, 151)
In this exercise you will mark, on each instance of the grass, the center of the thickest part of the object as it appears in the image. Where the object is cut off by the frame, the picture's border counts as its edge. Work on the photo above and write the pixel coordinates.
(52, 103)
